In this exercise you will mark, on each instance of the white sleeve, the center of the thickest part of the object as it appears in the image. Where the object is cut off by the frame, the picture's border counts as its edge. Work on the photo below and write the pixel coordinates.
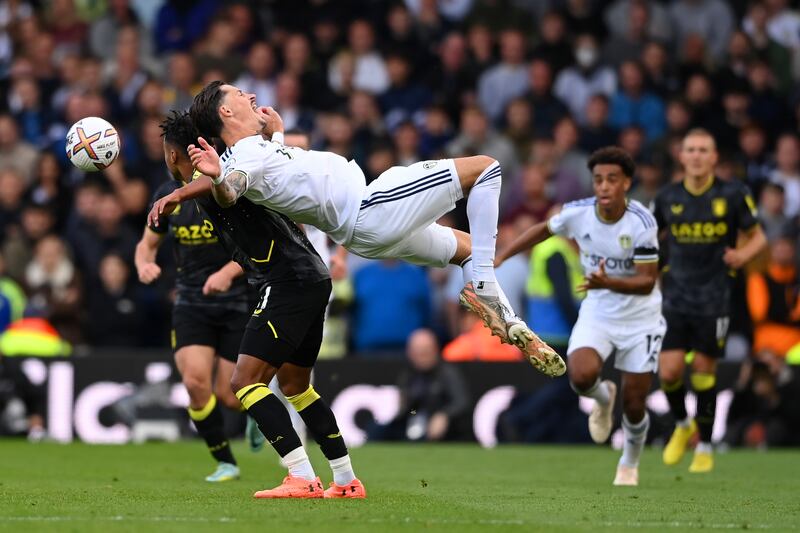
(563, 223)
(645, 246)
(246, 165)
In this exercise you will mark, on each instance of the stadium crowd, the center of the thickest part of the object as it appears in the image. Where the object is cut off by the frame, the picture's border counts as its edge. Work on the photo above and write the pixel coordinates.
(536, 84)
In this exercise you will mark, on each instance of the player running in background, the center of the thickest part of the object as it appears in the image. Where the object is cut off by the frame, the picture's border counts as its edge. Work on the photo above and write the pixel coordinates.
(393, 217)
(283, 334)
(618, 244)
(208, 319)
(702, 217)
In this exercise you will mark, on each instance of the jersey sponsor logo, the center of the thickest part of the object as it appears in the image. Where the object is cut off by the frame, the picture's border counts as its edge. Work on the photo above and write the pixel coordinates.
(612, 263)
(196, 234)
(676, 209)
(698, 232)
(626, 242)
(719, 206)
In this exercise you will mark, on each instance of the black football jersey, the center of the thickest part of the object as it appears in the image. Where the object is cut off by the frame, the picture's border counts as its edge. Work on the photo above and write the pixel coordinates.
(698, 227)
(270, 246)
(198, 254)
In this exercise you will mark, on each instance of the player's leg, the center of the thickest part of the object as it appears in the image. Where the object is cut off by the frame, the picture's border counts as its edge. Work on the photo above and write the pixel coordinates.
(196, 364)
(704, 382)
(671, 369)
(249, 384)
(295, 382)
(635, 424)
(585, 366)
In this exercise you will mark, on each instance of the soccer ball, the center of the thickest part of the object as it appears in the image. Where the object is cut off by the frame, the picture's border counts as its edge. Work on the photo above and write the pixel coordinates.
(92, 144)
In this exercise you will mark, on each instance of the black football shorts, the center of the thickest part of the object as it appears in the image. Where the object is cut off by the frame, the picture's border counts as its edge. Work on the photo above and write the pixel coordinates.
(217, 327)
(286, 325)
(704, 334)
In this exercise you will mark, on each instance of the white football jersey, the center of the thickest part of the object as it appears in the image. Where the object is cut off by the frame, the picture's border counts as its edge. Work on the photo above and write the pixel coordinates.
(317, 188)
(630, 240)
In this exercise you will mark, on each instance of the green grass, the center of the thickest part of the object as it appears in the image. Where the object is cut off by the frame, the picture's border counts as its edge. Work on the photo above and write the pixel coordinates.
(160, 487)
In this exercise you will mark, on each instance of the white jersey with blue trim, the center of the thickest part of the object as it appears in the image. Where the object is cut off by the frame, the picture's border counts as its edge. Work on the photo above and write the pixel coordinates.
(622, 244)
(322, 189)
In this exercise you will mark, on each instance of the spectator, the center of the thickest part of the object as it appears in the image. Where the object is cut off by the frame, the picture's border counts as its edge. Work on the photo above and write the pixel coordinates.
(553, 48)
(618, 18)
(570, 160)
(406, 143)
(181, 86)
(36, 222)
(433, 396)
(576, 84)
(259, 75)
(699, 95)
(632, 105)
(368, 68)
(476, 343)
(712, 20)
(505, 81)
(405, 98)
(753, 159)
(735, 116)
(774, 20)
(180, 23)
(215, 51)
(787, 172)
(452, 80)
(12, 191)
(765, 103)
(106, 29)
(629, 46)
(287, 103)
(534, 201)
(55, 289)
(115, 314)
(49, 189)
(660, 77)
(597, 132)
(436, 132)
(391, 300)
(767, 38)
(772, 298)
(404, 39)
(315, 92)
(519, 127)
(14, 152)
(649, 180)
(547, 109)
(13, 297)
(25, 103)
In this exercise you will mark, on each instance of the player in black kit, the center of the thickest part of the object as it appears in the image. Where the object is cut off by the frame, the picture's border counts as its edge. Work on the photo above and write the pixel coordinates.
(701, 218)
(208, 319)
(284, 332)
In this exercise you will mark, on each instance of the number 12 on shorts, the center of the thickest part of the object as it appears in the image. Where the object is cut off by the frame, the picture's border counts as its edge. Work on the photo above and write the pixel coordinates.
(654, 345)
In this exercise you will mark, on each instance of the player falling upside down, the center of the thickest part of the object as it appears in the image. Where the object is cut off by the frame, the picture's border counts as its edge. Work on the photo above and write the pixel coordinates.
(283, 335)
(702, 218)
(392, 217)
(618, 243)
(208, 319)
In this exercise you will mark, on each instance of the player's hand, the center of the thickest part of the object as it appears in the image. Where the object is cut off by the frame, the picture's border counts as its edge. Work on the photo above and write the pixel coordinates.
(205, 158)
(148, 273)
(734, 258)
(338, 268)
(162, 207)
(272, 120)
(216, 283)
(596, 280)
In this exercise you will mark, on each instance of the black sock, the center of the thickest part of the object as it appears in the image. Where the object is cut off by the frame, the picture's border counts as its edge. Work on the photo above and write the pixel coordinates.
(705, 387)
(271, 416)
(211, 426)
(676, 396)
(321, 423)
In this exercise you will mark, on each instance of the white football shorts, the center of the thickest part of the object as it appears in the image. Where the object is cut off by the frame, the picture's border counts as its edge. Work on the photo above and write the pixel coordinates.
(636, 343)
(399, 210)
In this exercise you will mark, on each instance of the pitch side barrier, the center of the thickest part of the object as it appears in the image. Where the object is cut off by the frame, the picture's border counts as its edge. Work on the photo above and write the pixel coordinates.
(123, 396)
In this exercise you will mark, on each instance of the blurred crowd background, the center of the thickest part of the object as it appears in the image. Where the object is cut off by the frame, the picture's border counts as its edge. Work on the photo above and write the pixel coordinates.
(537, 84)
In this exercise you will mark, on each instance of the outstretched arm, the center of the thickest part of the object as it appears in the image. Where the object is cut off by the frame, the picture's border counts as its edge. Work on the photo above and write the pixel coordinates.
(226, 189)
(167, 204)
(529, 238)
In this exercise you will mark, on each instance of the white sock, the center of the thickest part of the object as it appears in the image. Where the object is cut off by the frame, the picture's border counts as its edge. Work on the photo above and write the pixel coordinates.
(342, 470)
(704, 447)
(466, 272)
(298, 464)
(483, 207)
(635, 435)
(598, 391)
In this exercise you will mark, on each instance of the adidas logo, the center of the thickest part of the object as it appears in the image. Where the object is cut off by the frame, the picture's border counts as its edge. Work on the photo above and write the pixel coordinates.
(480, 285)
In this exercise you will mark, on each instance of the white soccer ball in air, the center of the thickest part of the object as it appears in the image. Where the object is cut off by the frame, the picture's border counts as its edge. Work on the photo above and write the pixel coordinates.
(92, 144)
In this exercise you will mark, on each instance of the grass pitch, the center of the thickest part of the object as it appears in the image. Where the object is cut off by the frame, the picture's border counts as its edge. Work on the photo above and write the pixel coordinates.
(160, 487)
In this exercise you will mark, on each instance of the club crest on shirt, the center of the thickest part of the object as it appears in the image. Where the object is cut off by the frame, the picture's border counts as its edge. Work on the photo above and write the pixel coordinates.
(719, 206)
(625, 241)
(676, 209)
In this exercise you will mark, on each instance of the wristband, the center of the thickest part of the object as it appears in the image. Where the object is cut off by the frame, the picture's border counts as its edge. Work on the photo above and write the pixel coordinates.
(218, 180)
(277, 137)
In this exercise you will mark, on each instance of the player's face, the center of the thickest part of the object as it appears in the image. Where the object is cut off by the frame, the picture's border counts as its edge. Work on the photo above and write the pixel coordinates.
(698, 155)
(610, 185)
(238, 103)
(176, 164)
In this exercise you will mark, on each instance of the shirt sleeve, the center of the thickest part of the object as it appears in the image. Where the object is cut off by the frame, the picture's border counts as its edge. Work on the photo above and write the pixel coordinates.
(745, 208)
(563, 223)
(163, 221)
(645, 246)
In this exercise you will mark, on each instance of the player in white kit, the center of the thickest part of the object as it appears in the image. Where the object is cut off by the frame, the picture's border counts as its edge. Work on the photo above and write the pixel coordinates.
(618, 244)
(393, 217)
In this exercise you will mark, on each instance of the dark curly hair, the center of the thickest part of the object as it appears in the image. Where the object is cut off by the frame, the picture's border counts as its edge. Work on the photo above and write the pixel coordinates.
(613, 155)
(205, 110)
(178, 130)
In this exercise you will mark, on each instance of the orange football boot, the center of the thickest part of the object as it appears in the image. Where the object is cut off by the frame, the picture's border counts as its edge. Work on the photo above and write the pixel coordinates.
(354, 489)
(293, 487)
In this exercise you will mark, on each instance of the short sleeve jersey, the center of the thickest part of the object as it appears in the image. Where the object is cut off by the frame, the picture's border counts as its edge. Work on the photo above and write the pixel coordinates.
(622, 244)
(322, 189)
(198, 254)
(699, 226)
